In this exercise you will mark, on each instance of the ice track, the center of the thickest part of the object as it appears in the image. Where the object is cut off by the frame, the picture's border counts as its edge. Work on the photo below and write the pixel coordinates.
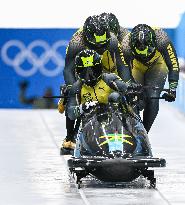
(33, 173)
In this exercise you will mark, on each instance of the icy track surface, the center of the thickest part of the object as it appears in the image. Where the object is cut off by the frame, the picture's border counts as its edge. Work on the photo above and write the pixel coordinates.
(33, 173)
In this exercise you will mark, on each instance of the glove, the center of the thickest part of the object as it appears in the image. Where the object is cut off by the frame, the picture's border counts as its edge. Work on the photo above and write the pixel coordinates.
(170, 96)
(87, 106)
(61, 106)
(64, 90)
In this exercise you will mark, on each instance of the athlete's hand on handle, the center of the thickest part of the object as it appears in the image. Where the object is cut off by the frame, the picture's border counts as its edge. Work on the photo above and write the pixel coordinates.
(170, 96)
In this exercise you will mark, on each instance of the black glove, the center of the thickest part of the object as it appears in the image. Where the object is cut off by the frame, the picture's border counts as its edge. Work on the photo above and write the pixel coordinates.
(64, 90)
(170, 96)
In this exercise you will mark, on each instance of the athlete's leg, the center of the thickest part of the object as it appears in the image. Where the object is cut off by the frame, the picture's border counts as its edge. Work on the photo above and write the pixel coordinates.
(138, 71)
(154, 77)
(70, 124)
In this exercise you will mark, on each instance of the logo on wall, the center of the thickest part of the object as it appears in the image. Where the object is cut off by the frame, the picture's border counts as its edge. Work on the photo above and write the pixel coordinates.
(14, 53)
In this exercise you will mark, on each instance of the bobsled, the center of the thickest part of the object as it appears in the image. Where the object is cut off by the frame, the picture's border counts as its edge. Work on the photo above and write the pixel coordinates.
(113, 146)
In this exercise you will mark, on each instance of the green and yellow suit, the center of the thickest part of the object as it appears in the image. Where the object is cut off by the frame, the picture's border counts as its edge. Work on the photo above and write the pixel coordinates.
(152, 71)
(113, 62)
(112, 57)
(81, 93)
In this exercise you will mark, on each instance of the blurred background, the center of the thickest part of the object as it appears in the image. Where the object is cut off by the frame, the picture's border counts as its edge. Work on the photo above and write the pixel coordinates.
(34, 35)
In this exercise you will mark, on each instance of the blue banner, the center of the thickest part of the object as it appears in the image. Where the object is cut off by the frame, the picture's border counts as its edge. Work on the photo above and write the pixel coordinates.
(33, 55)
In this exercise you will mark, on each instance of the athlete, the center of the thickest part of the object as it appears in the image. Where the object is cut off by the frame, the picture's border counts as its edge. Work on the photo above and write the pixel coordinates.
(92, 86)
(152, 58)
(96, 35)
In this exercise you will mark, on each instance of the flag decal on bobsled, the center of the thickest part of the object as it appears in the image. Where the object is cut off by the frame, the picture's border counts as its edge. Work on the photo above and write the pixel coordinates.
(115, 141)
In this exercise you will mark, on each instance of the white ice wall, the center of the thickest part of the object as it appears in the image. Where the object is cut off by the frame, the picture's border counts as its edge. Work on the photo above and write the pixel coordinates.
(72, 13)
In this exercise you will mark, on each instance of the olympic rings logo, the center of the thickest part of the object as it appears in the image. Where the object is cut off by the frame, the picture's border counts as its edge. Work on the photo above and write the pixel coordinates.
(27, 53)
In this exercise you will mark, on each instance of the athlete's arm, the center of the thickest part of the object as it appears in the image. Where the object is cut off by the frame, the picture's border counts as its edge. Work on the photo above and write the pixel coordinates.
(74, 47)
(166, 48)
(115, 82)
(123, 68)
(73, 105)
(69, 69)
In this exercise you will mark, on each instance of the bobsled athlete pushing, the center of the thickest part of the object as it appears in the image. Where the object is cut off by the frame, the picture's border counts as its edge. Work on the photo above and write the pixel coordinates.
(112, 143)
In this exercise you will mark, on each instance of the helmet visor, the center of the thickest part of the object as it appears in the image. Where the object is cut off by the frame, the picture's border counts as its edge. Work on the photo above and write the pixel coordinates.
(144, 50)
(89, 75)
(98, 40)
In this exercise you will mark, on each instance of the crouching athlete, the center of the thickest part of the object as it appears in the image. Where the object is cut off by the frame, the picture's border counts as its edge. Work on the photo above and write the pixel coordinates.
(94, 86)
(152, 57)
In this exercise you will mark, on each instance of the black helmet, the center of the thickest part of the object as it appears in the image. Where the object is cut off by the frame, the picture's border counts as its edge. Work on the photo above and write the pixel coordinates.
(88, 66)
(143, 41)
(96, 31)
(112, 22)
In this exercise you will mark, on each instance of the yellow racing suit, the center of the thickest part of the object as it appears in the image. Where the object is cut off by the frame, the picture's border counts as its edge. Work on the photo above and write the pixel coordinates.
(152, 71)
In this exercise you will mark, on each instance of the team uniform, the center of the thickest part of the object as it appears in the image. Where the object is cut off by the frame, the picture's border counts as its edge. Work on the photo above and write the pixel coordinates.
(81, 93)
(150, 66)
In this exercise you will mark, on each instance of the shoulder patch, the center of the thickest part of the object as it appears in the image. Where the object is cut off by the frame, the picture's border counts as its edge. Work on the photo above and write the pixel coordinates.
(77, 36)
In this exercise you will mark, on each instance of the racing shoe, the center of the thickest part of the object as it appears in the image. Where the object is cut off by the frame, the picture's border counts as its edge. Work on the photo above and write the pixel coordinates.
(141, 148)
(67, 147)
